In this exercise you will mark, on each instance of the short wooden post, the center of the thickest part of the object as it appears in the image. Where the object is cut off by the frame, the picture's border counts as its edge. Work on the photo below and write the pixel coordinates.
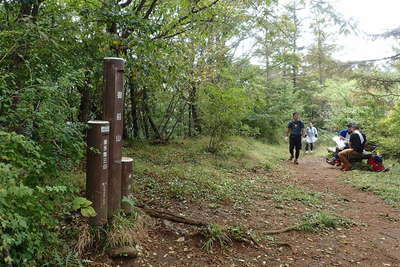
(97, 169)
(126, 183)
(113, 110)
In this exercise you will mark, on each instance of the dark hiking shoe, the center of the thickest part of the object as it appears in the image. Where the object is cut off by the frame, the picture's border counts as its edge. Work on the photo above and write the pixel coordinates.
(296, 162)
(331, 162)
(291, 158)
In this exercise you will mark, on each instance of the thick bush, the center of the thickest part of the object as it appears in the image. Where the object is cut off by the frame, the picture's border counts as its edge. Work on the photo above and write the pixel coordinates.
(31, 212)
(30, 220)
(221, 112)
(22, 155)
(389, 133)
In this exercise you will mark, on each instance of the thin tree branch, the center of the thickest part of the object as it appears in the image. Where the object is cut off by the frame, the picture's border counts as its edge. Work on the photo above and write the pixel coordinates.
(151, 8)
(140, 6)
(183, 18)
(381, 80)
(194, 11)
(394, 57)
(388, 34)
(171, 35)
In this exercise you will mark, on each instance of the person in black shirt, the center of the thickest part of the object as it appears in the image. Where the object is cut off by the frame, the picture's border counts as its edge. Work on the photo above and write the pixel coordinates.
(294, 132)
(356, 143)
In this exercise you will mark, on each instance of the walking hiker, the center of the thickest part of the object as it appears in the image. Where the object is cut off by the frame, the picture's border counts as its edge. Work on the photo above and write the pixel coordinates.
(294, 132)
(311, 137)
(356, 144)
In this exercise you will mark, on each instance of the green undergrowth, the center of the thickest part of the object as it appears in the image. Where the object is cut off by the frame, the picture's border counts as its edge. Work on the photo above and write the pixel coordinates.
(322, 221)
(290, 194)
(386, 185)
(184, 170)
(36, 206)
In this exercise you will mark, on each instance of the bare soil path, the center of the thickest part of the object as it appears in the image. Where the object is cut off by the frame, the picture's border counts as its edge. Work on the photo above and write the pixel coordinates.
(373, 241)
(377, 243)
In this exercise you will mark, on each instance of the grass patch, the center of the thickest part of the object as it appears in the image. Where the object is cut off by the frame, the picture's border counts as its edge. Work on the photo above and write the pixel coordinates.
(126, 230)
(290, 193)
(322, 221)
(385, 185)
(186, 171)
(217, 235)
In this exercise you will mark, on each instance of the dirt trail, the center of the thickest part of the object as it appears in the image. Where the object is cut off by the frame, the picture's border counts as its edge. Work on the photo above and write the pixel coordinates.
(374, 241)
(375, 244)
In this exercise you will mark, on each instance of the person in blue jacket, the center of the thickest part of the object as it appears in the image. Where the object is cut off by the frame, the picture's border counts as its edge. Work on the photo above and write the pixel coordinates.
(345, 136)
(345, 133)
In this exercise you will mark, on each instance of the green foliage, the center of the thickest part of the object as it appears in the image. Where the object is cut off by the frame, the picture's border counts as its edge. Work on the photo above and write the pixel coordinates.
(222, 111)
(22, 155)
(272, 110)
(291, 193)
(386, 185)
(215, 234)
(388, 135)
(82, 204)
(185, 171)
(30, 230)
(322, 221)
(126, 230)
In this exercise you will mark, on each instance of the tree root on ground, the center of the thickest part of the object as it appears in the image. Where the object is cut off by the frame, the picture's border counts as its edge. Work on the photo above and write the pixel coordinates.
(283, 230)
(170, 216)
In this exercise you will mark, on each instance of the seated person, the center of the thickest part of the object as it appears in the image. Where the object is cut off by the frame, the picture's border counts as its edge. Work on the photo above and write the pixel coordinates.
(344, 135)
(356, 143)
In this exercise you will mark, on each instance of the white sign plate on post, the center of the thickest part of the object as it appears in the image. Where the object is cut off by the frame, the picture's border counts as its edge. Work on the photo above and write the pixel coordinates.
(105, 129)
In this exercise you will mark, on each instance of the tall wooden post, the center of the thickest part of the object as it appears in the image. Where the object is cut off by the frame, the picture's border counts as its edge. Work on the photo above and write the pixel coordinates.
(113, 110)
(126, 183)
(97, 169)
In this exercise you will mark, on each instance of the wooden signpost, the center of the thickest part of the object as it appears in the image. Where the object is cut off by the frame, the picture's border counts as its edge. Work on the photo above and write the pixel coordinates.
(112, 112)
(105, 165)
(97, 169)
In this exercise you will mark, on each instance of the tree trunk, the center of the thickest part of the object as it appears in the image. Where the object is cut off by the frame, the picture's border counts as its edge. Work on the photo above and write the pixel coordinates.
(267, 55)
(320, 70)
(148, 115)
(145, 125)
(85, 105)
(193, 110)
(153, 125)
(190, 121)
(86, 101)
(134, 109)
(294, 44)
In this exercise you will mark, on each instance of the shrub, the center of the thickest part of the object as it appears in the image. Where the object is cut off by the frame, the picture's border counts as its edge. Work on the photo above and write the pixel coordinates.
(41, 116)
(222, 112)
(31, 213)
(22, 154)
(30, 230)
(389, 134)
